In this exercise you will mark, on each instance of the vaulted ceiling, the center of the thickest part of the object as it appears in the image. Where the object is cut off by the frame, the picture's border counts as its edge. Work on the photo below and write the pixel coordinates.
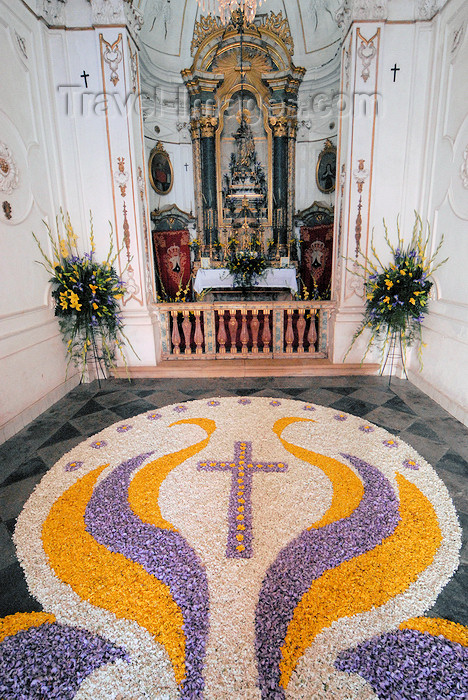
(168, 28)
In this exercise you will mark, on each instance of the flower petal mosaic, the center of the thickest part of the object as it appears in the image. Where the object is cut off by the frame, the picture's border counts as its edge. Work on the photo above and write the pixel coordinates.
(263, 550)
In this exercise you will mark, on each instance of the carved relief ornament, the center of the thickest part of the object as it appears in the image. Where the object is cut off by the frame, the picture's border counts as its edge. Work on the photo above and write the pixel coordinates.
(426, 9)
(112, 55)
(283, 126)
(367, 51)
(52, 11)
(464, 169)
(457, 40)
(121, 176)
(351, 10)
(207, 126)
(9, 175)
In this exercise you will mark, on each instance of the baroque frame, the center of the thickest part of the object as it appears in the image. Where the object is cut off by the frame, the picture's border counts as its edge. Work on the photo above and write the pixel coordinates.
(325, 172)
(160, 157)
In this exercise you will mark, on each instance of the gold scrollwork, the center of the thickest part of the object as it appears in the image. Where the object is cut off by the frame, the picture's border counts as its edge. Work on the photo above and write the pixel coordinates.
(284, 126)
(279, 25)
(208, 126)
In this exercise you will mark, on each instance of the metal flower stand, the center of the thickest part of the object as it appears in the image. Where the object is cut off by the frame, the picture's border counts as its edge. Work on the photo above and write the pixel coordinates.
(394, 354)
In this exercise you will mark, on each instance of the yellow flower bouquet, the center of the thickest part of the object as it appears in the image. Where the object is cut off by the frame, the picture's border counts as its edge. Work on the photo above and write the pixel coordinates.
(86, 294)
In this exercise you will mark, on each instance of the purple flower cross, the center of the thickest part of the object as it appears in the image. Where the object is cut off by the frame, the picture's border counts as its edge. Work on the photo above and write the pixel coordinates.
(242, 468)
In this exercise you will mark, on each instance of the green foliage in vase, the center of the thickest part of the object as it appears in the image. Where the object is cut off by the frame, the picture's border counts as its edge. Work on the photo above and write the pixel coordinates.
(87, 297)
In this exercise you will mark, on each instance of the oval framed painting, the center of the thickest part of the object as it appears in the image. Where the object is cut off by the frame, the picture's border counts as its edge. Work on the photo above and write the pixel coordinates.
(160, 170)
(325, 174)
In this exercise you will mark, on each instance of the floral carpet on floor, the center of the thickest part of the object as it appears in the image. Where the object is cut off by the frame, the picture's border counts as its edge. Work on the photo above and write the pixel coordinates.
(235, 549)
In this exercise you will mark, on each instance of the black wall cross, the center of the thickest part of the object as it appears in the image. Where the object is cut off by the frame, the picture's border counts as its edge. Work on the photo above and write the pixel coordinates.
(394, 69)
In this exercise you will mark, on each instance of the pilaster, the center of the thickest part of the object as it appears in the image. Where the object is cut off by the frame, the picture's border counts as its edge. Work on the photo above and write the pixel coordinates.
(120, 81)
(359, 113)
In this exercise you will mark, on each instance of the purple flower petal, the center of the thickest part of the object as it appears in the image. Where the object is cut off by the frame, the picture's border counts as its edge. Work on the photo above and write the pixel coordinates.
(163, 553)
(73, 466)
(411, 464)
(154, 416)
(51, 661)
(98, 444)
(307, 557)
(410, 664)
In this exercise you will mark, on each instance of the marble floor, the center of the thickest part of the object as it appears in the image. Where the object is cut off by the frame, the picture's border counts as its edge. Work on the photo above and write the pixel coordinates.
(400, 408)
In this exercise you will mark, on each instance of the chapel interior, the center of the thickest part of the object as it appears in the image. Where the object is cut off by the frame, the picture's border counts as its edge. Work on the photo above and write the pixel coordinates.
(294, 132)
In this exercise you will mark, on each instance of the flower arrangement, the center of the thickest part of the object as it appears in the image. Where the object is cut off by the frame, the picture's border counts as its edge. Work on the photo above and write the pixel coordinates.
(86, 294)
(244, 265)
(397, 294)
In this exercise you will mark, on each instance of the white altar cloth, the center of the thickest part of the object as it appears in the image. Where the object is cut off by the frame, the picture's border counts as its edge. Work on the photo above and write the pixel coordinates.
(280, 278)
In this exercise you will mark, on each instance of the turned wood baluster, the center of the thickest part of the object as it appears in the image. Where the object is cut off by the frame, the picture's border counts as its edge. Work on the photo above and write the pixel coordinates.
(266, 334)
(254, 326)
(233, 331)
(222, 337)
(175, 334)
(244, 334)
(312, 334)
(301, 324)
(187, 329)
(289, 335)
(198, 337)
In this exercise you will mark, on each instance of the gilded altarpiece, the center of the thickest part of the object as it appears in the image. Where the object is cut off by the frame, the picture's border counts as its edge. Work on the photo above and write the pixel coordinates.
(243, 89)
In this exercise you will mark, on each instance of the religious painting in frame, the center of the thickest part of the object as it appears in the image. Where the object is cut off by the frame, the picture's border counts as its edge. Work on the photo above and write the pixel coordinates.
(161, 174)
(325, 173)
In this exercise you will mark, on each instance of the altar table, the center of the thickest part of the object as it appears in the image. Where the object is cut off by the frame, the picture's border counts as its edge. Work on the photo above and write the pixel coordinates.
(220, 278)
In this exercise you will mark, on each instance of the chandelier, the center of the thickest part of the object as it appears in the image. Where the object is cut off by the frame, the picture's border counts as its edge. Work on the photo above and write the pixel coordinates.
(226, 8)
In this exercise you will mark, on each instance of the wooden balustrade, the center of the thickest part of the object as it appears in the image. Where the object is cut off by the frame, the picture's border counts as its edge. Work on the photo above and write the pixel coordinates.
(270, 329)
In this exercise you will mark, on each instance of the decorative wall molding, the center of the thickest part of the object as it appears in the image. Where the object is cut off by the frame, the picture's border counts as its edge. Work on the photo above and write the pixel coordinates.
(21, 43)
(427, 9)
(360, 9)
(142, 190)
(360, 175)
(112, 55)
(347, 65)
(135, 19)
(121, 176)
(53, 11)
(117, 12)
(464, 169)
(366, 51)
(9, 175)
(133, 67)
(108, 11)
(457, 40)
